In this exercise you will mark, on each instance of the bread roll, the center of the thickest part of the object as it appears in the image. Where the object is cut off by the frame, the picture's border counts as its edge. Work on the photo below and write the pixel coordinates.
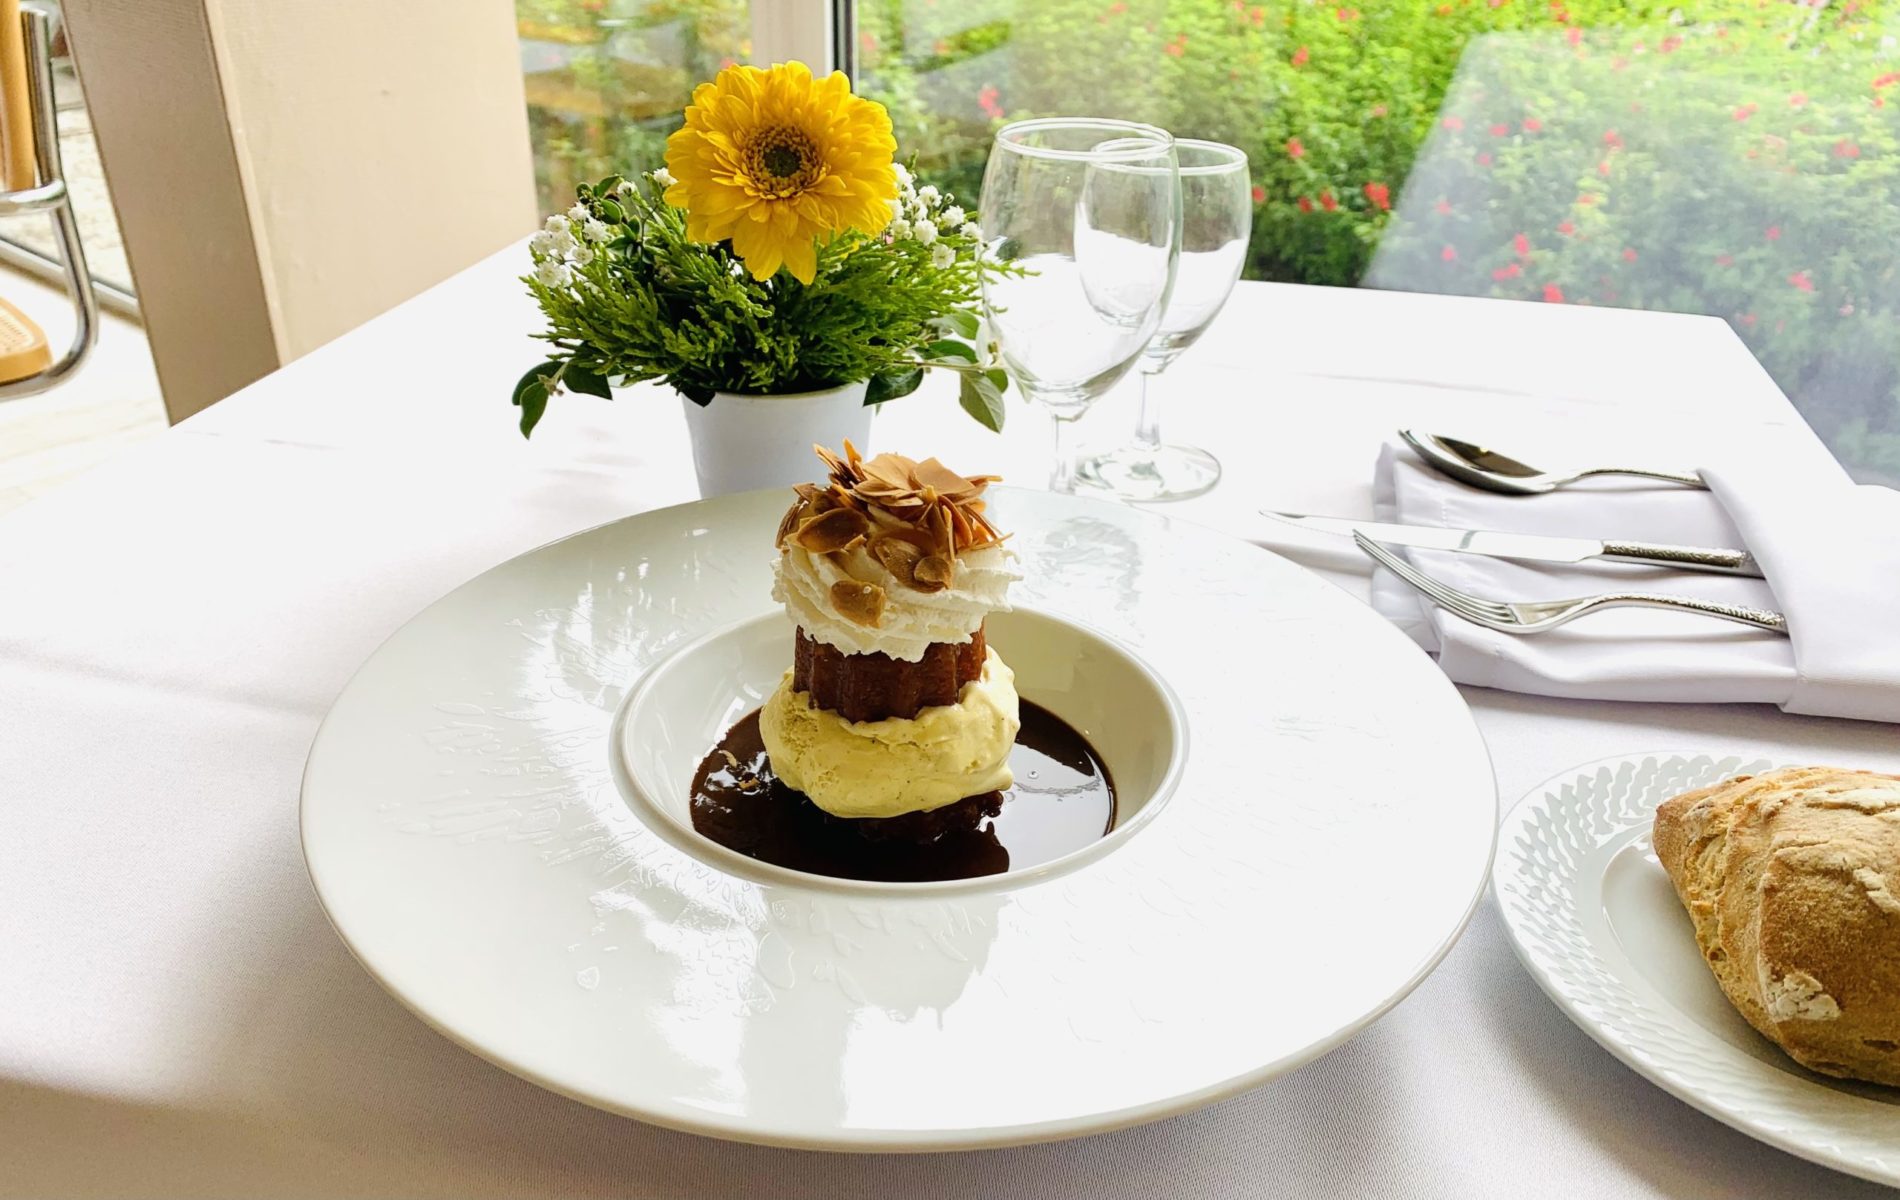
(1793, 881)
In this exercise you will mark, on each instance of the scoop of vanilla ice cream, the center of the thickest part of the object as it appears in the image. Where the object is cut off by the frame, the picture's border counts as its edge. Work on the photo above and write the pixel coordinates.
(898, 765)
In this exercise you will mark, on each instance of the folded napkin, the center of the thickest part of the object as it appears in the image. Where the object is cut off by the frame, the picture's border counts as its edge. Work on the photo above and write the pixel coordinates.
(1830, 551)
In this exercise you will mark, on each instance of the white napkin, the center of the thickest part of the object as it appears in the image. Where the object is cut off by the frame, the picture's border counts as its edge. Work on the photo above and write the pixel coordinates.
(1830, 551)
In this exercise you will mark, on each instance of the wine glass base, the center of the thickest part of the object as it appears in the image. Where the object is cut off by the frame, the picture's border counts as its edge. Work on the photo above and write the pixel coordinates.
(1142, 474)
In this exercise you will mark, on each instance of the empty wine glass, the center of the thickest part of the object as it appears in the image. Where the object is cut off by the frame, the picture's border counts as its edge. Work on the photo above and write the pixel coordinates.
(1216, 220)
(1086, 213)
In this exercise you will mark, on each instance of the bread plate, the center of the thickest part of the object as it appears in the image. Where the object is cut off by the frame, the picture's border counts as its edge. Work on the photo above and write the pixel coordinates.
(1317, 837)
(1594, 918)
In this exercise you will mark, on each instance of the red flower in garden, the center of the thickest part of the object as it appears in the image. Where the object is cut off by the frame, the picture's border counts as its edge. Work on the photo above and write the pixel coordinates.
(1507, 271)
(1586, 200)
(1258, 15)
(1613, 139)
(1449, 254)
(1484, 160)
(1178, 47)
(1521, 244)
(1379, 110)
(1300, 56)
(1553, 294)
(986, 99)
(1671, 44)
(1346, 14)
(868, 40)
(1453, 123)
(1500, 129)
(1745, 111)
(1748, 318)
(1797, 100)
(1801, 281)
(1532, 125)
(1566, 229)
(1573, 35)
(1117, 9)
(1442, 208)
(1327, 202)
(1772, 233)
(1306, 205)
(1629, 255)
(1603, 168)
(1846, 149)
(1294, 149)
(1887, 80)
(1381, 198)
(1259, 194)
(1443, 10)
(1724, 260)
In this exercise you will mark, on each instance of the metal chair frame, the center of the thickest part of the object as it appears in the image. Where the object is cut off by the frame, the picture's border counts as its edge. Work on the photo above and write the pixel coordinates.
(50, 195)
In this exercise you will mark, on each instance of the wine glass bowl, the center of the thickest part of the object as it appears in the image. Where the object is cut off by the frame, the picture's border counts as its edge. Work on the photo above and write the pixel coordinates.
(1216, 223)
(1084, 213)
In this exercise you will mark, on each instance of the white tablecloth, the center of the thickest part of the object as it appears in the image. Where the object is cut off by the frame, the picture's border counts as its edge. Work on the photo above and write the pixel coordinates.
(176, 1017)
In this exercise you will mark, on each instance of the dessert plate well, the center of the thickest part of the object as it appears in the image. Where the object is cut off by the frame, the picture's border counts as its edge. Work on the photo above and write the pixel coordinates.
(1328, 832)
(1594, 917)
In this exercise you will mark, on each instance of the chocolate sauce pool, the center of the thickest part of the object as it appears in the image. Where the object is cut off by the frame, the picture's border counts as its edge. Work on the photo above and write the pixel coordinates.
(1062, 800)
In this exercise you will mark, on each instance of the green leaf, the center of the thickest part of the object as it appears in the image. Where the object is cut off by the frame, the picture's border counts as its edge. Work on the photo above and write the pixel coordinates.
(948, 348)
(983, 400)
(579, 379)
(892, 385)
(530, 394)
(961, 322)
(999, 379)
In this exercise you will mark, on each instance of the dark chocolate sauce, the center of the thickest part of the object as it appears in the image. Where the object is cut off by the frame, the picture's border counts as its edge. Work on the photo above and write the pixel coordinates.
(1062, 800)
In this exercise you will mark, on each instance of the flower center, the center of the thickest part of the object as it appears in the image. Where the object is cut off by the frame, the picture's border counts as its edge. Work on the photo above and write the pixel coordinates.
(782, 161)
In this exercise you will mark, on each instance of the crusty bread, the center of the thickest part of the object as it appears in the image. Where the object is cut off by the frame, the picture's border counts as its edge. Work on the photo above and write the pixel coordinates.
(1793, 881)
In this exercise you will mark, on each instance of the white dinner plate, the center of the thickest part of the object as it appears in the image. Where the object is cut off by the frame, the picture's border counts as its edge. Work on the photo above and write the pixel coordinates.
(1595, 918)
(1318, 824)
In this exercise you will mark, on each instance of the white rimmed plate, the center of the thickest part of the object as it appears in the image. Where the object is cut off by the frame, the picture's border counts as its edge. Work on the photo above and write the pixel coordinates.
(1593, 916)
(1326, 826)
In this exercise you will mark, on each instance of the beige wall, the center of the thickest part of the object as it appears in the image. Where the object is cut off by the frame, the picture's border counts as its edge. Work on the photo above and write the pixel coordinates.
(287, 169)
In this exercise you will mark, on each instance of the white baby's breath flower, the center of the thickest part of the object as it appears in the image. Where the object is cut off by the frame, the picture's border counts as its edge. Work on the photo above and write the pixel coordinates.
(552, 274)
(541, 244)
(952, 215)
(596, 231)
(582, 256)
(903, 174)
(555, 224)
(928, 194)
(563, 240)
(663, 177)
(897, 207)
(924, 232)
(626, 187)
(578, 212)
(972, 231)
(942, 256)
(899, 228)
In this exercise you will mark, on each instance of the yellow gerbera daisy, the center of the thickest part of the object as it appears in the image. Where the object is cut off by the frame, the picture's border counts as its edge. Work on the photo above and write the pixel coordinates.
(778, 161)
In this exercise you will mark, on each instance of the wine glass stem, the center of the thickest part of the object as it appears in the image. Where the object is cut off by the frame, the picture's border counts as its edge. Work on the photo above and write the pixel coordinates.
(1062, 479)
(1148, 416)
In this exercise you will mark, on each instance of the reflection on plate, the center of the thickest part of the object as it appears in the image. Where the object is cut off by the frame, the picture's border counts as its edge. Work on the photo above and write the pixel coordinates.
(1594, 917)
(1323, 841)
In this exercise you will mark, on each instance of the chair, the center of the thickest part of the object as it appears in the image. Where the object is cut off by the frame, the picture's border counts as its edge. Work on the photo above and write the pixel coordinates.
(34, 181)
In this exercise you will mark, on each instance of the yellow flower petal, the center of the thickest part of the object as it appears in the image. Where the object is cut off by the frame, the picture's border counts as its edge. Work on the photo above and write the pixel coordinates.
(779, 161)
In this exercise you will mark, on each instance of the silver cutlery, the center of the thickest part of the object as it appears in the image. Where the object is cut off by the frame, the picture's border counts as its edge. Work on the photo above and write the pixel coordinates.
(1532, 546)
(1535, 616)
(1485, 468)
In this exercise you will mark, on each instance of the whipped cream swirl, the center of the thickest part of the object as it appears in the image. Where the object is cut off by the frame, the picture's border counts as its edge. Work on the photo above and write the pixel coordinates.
(912, 619)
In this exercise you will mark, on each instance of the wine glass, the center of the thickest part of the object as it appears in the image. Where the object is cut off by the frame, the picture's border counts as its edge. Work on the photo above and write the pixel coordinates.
(1216, 221)
(1084, 216)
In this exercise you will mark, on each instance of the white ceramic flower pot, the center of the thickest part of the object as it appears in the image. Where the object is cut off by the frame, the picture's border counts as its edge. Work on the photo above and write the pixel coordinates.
(745, 442)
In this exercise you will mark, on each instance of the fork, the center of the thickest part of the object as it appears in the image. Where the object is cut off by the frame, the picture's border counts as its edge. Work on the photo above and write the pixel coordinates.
(1535, 616)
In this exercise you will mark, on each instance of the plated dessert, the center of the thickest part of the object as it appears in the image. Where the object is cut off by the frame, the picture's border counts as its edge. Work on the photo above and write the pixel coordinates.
(1792, 878)
(896, 746)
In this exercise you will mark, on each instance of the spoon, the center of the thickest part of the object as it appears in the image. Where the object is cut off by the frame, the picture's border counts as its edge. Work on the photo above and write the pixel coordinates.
(1480, 467)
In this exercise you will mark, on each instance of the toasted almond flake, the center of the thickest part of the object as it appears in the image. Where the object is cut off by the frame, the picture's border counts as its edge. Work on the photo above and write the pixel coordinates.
(859, 601)
(935, 569)
(837, 529)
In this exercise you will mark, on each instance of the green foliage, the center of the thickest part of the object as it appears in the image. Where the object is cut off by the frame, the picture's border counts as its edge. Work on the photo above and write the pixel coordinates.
(629, 297)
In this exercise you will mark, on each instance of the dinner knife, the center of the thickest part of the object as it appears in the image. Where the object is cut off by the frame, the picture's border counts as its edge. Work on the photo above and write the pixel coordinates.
(1532, 546)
